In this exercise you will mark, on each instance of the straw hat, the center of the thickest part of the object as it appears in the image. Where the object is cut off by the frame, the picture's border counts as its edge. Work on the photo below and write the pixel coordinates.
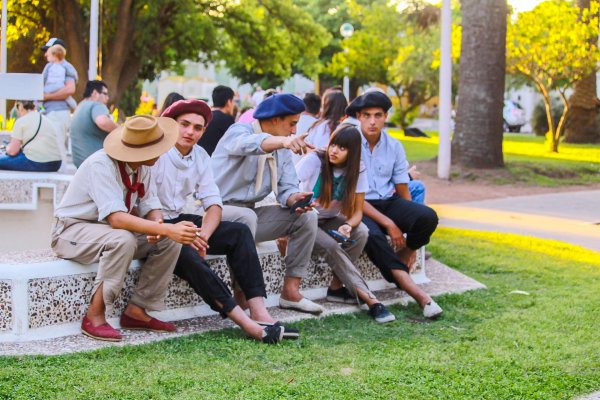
(141, 138)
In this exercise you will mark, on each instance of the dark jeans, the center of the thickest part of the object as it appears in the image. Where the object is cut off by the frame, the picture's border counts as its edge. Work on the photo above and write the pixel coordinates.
(235, 241)
(22, 163)
(417, 221)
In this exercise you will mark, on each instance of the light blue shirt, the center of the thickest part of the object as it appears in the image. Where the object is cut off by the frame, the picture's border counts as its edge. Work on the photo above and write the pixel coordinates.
(235, 164)
(386, 165)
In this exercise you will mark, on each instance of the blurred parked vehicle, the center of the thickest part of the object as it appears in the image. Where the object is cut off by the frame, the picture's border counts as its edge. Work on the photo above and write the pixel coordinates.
(514, 116)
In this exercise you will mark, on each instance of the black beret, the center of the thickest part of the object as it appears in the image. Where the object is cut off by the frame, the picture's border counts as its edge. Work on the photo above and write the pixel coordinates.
(369, 100)
(279, 105)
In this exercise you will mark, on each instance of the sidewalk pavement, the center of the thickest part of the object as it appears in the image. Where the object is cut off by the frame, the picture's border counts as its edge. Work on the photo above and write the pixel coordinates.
(572, 217)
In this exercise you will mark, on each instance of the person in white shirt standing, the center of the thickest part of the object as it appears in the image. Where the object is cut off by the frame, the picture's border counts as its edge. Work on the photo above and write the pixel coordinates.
(185, 170)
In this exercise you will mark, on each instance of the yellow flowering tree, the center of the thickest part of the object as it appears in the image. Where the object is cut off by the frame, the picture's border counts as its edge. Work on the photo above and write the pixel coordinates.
(551, 47)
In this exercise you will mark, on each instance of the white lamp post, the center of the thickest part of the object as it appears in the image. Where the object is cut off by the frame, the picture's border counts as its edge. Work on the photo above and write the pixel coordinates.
(3, 62)
(346, 30)
(93, 56)
(445, 118)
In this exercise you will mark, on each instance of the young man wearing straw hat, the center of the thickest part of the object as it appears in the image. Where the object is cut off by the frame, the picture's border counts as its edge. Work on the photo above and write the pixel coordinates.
(111, 215)
(185, 170)
(253, 160)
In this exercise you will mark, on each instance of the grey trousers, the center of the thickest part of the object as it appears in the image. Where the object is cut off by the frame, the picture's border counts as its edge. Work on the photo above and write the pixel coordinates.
(272, 222)
(342, 259)
(88, 242)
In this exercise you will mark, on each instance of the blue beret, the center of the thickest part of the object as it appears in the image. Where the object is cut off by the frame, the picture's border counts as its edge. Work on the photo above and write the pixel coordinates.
(279, 105)
(369, 100)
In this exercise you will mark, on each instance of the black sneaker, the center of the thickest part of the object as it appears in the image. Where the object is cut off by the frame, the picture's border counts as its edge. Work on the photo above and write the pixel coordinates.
(341, 295)
(273, 334)
(380, 313)
(289, 332)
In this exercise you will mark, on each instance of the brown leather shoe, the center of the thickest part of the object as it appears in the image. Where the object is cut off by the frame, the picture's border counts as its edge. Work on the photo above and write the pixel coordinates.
(153, 325)
(101, 332)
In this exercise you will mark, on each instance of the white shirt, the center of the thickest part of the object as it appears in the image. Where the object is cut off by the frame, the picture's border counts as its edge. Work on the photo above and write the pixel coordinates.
(319, 135)
(178, 176)
(97, 191)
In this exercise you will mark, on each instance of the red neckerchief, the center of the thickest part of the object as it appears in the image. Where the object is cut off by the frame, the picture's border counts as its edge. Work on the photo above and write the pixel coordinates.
(131, 187)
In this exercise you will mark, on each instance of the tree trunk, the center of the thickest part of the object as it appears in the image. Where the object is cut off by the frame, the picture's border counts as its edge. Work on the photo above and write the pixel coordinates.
(581, 124)
(477, 138)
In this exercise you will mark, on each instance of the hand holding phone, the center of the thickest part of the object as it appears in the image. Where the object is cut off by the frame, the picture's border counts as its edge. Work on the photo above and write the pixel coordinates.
(303, 202)
(339, 237)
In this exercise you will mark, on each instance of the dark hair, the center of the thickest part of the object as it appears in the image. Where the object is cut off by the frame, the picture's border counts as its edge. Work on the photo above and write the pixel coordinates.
(27, 104)
(312, 102)
(90, 86)
(349, 137)
(269, 93)
(171, 98)
(334, 108)
(221, 95)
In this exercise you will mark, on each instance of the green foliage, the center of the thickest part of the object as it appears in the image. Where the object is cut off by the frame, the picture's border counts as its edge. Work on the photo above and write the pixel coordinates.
(264, 39)
(539, 119)
(270, 38)
(490, 343)
(553, 46)
(393, 48)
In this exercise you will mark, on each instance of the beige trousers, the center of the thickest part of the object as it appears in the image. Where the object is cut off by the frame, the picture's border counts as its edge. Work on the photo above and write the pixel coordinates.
(272, 222)
(342, 259)
(88, 242)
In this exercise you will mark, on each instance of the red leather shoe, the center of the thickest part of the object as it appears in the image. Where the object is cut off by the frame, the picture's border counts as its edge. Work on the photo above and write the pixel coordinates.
(153, 325)
(102, 332)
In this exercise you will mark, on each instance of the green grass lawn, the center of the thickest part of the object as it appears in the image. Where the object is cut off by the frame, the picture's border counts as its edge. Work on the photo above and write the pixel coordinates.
(490, 344)
(526, 158)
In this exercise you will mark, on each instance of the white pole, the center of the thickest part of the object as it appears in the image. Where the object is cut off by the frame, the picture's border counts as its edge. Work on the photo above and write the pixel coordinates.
(93, 58)
(445, 118)
(346, 86)
(3, 62)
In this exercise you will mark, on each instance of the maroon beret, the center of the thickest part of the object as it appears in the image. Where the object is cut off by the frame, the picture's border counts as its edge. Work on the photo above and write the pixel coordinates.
(189, 107)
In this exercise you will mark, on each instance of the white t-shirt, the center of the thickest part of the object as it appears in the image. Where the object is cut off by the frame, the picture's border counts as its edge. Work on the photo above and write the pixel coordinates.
(319, 135)
(309, 169)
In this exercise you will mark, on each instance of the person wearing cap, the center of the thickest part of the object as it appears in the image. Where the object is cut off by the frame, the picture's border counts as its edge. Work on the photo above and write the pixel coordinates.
(56, 105)
(388, 208)
(253, 160)
(185, 170)
(110, 215)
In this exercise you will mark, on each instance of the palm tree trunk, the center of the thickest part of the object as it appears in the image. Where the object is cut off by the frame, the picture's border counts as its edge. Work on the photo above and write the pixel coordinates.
(581, 125)
(477, 138)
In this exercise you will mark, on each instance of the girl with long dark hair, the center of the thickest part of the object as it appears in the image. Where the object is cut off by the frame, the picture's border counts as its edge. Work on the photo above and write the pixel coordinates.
(338, 180)
(332, 114)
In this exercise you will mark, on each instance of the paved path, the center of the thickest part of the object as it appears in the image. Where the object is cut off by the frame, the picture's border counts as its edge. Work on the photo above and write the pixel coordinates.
(572, 217)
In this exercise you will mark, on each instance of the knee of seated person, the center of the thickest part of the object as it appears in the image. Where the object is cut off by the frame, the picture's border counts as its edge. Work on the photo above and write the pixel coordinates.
(429, 217)
(308, 220)
(124, 239)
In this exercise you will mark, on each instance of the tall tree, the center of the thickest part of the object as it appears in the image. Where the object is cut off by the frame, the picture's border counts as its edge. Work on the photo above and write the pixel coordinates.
(477, 140)
(552, 47)
(581, 124)
(256, 38)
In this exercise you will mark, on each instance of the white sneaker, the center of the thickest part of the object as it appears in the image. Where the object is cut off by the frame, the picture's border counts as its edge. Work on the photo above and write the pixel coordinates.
(304, 305)
(432, 310)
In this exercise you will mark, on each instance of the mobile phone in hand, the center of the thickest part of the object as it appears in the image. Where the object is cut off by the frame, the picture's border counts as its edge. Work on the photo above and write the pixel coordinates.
(339, 237)
(303, 202)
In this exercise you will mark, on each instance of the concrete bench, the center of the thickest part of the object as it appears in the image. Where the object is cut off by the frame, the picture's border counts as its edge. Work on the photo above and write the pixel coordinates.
(42, 296)
(29, 197)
